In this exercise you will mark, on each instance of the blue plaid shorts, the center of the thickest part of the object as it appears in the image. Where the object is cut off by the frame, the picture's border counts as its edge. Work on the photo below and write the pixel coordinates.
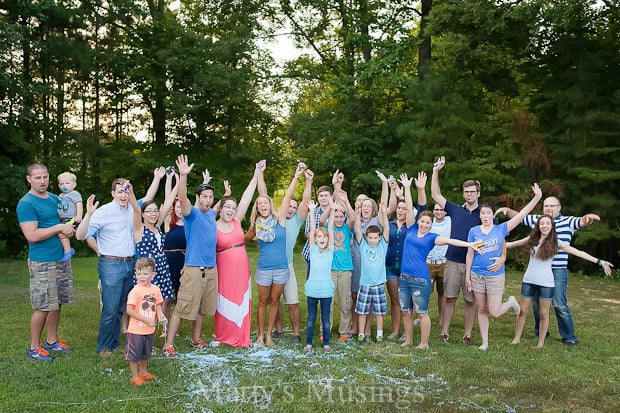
(374, 294)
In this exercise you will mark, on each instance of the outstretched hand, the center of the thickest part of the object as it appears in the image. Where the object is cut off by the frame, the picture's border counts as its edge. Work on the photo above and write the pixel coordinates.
(183, 166)
(441, 161)
(159, 172)
(381, 176)
(420, 181)
(91, 204)
(311, 205)
(405, 180)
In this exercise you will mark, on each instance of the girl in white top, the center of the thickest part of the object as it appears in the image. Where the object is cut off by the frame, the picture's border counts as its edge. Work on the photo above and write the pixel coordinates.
(538, 279)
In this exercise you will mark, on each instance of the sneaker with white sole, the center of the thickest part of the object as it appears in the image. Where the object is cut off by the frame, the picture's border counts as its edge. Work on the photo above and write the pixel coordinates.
(516, 308)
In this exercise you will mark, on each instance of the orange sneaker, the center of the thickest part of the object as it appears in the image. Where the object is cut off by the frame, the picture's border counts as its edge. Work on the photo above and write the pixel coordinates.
(343, 339)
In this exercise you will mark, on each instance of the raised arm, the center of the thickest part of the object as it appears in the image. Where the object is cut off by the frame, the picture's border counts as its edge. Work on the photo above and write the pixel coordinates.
(358, 223)
(384, 187)
(246, 198)
(406, 183)
(158, 174)
(435, 189)
(164, 211)
(330, 229)
(286, 201)
(383, 219)
(311, 208)
(307, 194)
(516, 220)
(260, 178)
(184, 169)
(607, 266)
(347, 208)
(420, 184)
(138, 227)
(80, 232)
(505, 211)
(396, 194)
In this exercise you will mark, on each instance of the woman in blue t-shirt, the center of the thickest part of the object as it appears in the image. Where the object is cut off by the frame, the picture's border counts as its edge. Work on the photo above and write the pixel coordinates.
(272, 271)
(488, 286)
(415, 285)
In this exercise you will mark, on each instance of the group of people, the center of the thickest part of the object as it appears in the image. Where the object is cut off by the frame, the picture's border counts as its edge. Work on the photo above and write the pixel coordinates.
(351, 251)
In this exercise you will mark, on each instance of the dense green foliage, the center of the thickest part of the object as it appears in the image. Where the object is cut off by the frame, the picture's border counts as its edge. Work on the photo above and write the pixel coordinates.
(509, 91)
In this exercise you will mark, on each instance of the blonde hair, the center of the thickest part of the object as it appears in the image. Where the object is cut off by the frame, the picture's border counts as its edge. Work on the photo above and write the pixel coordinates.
(142, 263)
(254, 214)
(68, 176)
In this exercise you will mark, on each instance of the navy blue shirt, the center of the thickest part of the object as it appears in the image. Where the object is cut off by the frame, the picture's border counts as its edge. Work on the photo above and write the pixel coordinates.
(462, 221)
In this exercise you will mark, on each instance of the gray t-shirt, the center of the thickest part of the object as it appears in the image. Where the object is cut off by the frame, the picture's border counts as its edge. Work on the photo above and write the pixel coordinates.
(67, 208)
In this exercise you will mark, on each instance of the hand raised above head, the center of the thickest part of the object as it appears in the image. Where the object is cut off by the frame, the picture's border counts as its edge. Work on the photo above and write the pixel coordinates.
(309, 175)
(159, 172)
(405, 180)
(206, 177)
(311, 205)
(441, 161)
(420, 181)
(183, 166)
(381, 176)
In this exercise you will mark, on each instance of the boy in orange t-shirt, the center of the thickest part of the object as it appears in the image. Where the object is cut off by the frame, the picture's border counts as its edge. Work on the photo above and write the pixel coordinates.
(144, 309)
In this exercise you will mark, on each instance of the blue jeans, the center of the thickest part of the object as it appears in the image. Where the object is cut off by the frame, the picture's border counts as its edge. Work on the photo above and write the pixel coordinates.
(326, 304)
(116, 281)
(560, 305)
(414, 293)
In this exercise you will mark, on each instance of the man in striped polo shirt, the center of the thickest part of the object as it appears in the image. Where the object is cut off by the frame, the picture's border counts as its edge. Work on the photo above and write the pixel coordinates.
(565, 228)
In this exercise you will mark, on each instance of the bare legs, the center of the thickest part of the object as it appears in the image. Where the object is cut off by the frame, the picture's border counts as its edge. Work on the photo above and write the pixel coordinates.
(268, 295)
(544, 306)
(392, 286)
(489, 304)
(47, 319)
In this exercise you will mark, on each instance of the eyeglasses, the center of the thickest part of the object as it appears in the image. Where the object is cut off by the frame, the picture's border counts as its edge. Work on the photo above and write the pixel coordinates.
(470, 192)
(551, 206)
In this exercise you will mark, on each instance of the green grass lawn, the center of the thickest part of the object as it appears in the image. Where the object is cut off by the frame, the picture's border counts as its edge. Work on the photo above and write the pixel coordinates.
(363, 378)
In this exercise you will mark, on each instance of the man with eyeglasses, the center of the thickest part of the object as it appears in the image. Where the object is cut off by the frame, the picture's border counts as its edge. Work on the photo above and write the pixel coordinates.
(436, 260)
(463, 217)
(113, 224)
(565, 228)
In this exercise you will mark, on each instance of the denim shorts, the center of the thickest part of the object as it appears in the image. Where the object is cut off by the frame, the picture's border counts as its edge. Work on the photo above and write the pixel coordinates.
(414, 293)
(530, 291)
(267, 277)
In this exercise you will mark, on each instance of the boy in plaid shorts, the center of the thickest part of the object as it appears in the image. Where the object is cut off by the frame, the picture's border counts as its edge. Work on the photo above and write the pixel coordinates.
(373, 249)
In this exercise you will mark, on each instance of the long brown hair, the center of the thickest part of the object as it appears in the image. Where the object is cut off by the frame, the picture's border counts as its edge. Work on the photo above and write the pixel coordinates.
(549, 247)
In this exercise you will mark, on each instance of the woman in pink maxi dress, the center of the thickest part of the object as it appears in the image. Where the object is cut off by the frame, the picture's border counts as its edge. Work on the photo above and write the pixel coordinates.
(233, 316)
(232, 322)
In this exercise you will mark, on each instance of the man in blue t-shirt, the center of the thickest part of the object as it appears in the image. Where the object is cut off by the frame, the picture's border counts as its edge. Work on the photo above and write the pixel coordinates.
(197, 295)
(51, 281)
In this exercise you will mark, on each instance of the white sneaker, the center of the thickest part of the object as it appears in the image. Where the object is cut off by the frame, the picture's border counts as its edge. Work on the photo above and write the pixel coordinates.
(516, 308)
(483, 348)
(416, 322)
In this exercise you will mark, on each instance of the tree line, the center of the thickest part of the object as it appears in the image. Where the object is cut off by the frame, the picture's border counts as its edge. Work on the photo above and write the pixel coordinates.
(509, 91)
